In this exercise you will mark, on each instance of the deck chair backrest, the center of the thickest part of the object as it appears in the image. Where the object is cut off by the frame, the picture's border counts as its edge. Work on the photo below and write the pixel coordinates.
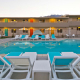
(73, 34)
(16, 36)
(2, 61)
(47, 36)
(19, 60)
(53, 36)
(23, 36)
(20, 36)
(43, 36)
(33, 36)
(26, 36)
(36, 36)
(63, 60)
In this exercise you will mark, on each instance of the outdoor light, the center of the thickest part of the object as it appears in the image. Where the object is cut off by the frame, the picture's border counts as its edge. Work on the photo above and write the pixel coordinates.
(59, 43)
(78, 18)
(14, 20)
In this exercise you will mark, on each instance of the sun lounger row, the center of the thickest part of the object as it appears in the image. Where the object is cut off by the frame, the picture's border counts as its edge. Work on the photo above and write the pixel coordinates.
(21, 37)
(43, 37)
(35, 37)
(19, 66)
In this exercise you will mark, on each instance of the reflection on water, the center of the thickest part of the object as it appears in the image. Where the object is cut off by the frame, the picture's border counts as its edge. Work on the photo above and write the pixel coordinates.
(41, 47)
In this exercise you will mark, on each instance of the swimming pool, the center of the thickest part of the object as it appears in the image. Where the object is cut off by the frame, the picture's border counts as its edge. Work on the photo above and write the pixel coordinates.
(41, 47)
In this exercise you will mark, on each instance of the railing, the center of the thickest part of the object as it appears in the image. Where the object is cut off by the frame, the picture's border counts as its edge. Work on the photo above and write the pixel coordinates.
(74, 23)
(40, 24)
(36, 24)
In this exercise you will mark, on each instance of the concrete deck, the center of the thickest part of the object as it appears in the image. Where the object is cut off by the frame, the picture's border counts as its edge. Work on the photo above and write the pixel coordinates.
(57, 39)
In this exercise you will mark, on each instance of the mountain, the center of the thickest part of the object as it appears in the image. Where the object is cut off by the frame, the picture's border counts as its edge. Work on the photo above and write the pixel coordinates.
(54, 16)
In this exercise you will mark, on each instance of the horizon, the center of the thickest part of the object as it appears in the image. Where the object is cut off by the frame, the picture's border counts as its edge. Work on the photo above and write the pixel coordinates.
(38, 8)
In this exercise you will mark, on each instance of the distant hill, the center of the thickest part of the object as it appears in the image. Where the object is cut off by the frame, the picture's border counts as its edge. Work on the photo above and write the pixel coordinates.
(54, 16)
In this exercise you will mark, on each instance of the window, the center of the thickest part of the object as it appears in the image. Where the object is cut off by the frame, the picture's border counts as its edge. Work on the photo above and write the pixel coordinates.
(78, 19)
(42, 20)
(59, 30)
(13, 30)
(42, 30)
(25, 31)
(78, 28)
(59, 20)
(23, 20)
(71, 28)
(12, 20)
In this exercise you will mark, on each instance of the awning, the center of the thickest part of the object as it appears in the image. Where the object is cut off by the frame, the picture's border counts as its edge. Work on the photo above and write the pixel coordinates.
(37, 32)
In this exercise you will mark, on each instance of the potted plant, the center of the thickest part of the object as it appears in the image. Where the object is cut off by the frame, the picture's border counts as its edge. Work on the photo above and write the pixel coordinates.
(12, 35)
(62, 36)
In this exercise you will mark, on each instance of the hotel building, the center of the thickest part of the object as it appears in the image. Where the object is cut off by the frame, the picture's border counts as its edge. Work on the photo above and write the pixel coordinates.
(60, 26)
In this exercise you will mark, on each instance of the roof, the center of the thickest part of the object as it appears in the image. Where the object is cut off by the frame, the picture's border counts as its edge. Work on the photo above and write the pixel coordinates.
(72, 15)
(33, 17)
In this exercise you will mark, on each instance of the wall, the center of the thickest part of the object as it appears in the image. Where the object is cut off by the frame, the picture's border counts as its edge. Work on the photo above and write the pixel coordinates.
(47, 31)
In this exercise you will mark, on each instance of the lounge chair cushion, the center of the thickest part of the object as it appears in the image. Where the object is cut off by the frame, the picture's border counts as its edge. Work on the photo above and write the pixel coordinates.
(33, 36)
(52, 54)
(63, 61)
(53, 36)
(43, 36)
(12, 54)
(23, 36)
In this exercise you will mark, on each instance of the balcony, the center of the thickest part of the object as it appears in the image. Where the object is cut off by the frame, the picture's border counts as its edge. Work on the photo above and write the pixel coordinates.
(74, 23)
(36, 24)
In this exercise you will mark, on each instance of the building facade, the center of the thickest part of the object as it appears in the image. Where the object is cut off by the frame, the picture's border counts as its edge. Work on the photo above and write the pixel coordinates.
(60, 26)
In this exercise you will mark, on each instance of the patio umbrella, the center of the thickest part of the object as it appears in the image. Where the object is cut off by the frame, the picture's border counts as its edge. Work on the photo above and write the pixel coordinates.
(23, 28)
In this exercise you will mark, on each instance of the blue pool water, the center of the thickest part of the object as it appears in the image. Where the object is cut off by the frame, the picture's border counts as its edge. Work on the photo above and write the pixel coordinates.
(41, 47)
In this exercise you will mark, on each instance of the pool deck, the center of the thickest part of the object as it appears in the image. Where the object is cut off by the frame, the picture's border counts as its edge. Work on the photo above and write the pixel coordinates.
(57, 39)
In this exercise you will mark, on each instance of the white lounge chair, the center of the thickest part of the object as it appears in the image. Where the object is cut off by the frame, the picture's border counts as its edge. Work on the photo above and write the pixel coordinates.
(41, 70)
(16, 37)
(73, 35)
(4, 67)
(36, 37)
(3, 35)
(62, 64)
(20, 65)
(76, 66)
(47, 36)
(26, 37)
(67, 35)
(69, 54)
(20, 35)
(32, 56)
